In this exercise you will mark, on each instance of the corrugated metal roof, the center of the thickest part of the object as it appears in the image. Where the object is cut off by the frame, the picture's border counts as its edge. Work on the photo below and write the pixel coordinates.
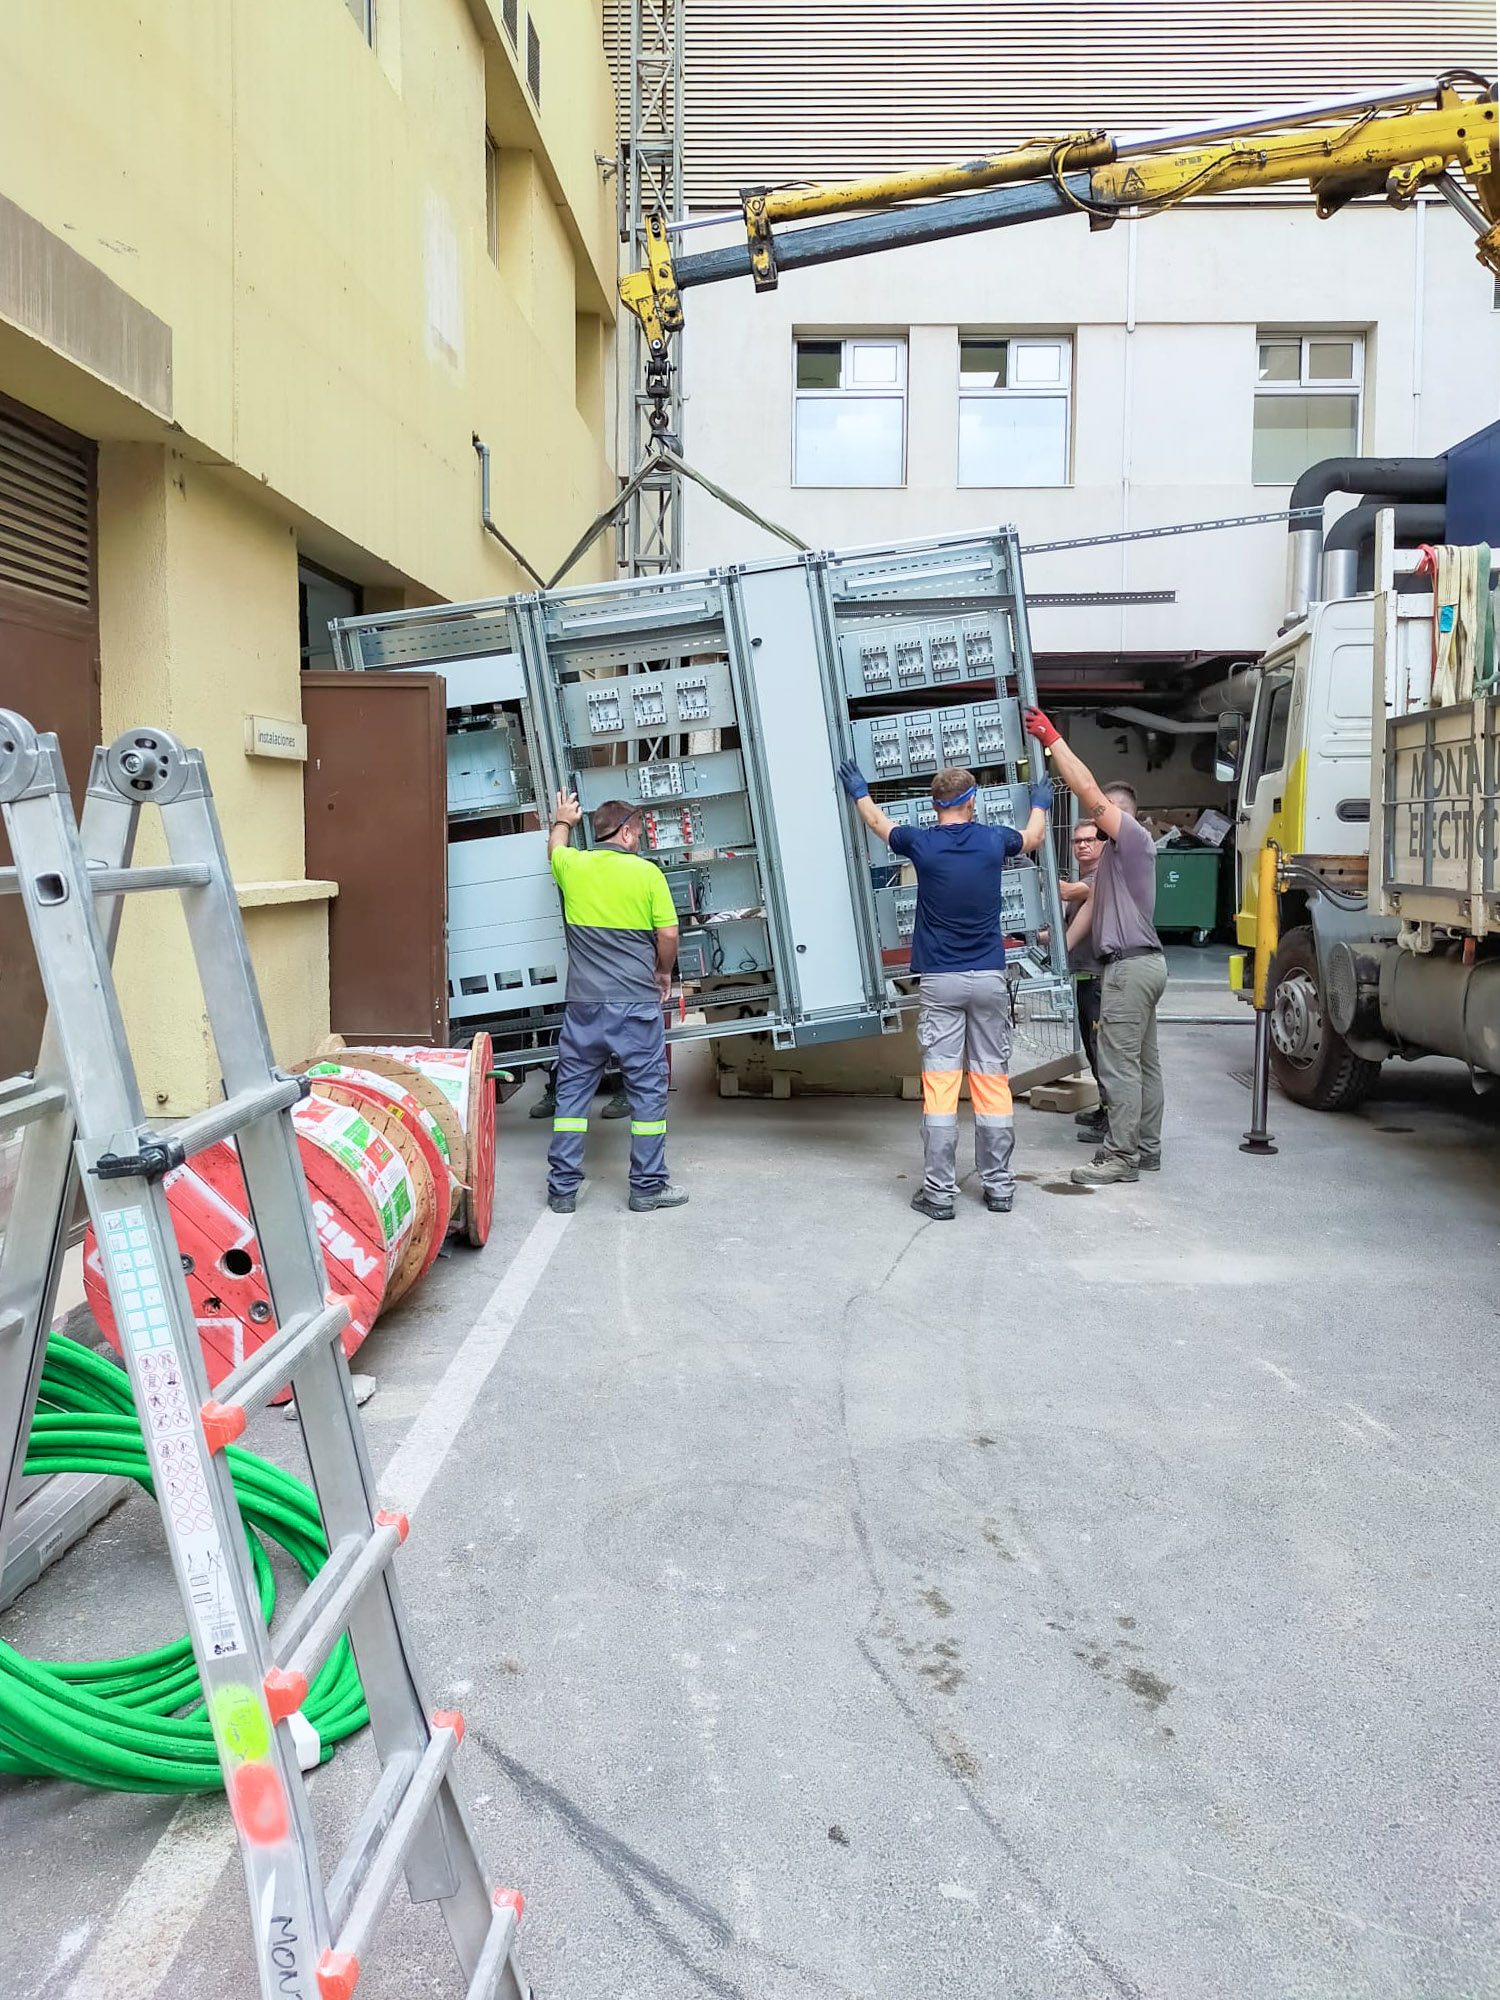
(783, 90)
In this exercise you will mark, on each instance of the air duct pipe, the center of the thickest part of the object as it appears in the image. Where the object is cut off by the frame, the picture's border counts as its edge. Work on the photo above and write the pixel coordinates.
(1146, 718)
(1403, 478)
(1348, 551)
(1235, 691)
(1197, 714)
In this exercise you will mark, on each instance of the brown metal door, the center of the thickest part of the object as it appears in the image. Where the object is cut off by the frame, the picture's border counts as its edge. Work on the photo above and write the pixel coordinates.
(376, 799)
(49, 654)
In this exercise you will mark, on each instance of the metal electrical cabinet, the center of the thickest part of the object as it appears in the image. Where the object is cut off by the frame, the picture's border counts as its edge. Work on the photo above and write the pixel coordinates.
(721, 704)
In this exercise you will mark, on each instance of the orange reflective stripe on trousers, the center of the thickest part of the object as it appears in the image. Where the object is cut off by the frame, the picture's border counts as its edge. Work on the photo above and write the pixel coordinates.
(940, 1088)
(990, 1095)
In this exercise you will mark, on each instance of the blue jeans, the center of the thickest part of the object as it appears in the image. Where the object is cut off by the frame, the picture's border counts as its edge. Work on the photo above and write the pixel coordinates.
(591, 1033)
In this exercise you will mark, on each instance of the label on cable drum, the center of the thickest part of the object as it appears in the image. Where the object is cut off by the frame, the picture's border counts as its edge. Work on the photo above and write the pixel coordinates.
(167, 1414)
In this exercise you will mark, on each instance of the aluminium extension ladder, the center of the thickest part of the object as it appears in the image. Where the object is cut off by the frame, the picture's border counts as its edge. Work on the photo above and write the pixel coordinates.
(83, 1119)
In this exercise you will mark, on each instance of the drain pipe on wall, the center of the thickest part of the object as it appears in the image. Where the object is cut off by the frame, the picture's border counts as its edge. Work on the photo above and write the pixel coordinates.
(484, 515)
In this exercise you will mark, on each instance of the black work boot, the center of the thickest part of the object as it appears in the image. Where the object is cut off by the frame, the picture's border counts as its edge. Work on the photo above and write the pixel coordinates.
(928, 1205)
(997, 1203)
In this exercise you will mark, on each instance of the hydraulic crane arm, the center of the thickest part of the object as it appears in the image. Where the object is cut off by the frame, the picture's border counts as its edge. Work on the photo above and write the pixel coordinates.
(1391, 143)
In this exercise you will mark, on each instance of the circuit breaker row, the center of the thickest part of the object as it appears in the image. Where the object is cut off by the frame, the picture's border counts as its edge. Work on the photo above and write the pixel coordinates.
(994, 805)
(650, 704)
(917, 744)
(888, 659)
(1020, 908)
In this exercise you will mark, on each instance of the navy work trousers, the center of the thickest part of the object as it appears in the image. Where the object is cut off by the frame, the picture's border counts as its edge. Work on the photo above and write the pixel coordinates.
(591, 1033)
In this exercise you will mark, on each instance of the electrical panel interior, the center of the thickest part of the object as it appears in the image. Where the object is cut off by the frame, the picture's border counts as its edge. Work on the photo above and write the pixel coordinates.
(655, 735)
(720, 705)
(927, 694)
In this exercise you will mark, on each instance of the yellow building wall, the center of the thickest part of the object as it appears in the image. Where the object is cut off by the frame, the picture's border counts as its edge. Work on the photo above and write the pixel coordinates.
(308, 216)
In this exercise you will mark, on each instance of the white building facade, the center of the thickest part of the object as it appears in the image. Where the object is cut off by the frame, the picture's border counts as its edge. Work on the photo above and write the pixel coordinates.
(1073, 382)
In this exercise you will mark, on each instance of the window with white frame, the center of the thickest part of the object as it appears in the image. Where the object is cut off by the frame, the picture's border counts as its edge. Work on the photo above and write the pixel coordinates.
(1013, 396)
(849, 411)
(1307, 402)
(492, 198)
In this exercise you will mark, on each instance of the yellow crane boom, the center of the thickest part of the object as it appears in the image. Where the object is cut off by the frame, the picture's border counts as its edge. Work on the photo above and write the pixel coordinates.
(1390, 144)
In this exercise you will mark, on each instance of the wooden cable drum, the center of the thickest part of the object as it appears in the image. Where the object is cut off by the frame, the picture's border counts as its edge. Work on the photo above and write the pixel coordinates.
(396, 1115)
(462, 1077)
(397, 1065)
(363, 1206)
(406, 1103)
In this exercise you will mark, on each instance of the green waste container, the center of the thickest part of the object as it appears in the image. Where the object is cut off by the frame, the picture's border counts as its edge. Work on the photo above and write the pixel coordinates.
(1187, 890)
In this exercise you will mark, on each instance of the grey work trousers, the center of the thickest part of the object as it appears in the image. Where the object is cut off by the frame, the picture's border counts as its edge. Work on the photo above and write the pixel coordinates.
(1129, 1064)
(591, 1033)
(964, 1022)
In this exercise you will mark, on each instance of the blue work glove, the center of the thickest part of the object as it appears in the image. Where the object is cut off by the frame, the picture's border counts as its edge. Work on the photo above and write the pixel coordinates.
(852, 778)
(1041, 797)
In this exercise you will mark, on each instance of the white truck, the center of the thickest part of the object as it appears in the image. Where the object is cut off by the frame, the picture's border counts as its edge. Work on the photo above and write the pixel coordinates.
(1389, 906)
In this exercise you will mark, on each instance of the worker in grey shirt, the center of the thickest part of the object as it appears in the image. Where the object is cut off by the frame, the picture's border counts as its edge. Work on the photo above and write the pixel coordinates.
(1121, 919)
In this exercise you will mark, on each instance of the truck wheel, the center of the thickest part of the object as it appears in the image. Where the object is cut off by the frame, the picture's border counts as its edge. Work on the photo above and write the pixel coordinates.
(1309, 1057)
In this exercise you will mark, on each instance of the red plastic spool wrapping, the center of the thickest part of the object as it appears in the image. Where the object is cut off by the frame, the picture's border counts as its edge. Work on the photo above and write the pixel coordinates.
(225, 1277)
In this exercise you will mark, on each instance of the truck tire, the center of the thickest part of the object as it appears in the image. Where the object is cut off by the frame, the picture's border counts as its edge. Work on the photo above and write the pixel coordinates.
(1310, 1059)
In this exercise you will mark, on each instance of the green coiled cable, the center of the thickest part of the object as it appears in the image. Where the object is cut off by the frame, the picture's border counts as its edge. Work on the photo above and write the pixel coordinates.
(137, 1724)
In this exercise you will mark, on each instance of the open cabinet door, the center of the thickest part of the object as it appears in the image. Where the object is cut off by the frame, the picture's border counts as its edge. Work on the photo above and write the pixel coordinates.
(376, 802)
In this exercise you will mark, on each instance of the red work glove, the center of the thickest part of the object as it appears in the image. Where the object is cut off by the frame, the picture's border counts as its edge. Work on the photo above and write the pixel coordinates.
(1038, 726)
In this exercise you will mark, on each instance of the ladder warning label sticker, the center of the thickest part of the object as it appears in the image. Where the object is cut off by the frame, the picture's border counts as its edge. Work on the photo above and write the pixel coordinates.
(170, 1423)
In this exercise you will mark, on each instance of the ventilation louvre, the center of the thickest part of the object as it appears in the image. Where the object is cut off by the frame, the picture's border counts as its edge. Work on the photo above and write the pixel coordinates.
(533, 60)
(511, 15)
(46, 530)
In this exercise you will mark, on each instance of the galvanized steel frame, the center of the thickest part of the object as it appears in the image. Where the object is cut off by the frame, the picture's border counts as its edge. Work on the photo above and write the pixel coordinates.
(651, 181)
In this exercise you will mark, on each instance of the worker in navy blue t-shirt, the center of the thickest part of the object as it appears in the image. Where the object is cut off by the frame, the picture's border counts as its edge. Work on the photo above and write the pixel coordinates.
(958, 950)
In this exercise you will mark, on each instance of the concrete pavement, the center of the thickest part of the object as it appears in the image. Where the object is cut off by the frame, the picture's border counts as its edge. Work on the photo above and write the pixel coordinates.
(1097, 1601)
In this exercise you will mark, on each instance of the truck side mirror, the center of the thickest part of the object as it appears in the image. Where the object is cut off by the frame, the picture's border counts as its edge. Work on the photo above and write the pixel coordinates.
(1229, 745)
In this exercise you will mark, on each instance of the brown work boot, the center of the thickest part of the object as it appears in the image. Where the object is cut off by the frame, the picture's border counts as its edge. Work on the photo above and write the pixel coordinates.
(1105, 1170)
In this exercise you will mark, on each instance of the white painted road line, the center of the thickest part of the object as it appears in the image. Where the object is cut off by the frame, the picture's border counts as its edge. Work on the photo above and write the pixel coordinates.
(134, 1951)
(416, 1463)
(151, 1921)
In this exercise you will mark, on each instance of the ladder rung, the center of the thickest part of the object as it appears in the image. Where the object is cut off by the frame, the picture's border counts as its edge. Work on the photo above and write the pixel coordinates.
(157, 1153)
(509, 1908)
(368, 1833)
(127, 881)
(338, 1970)
(270, 1368)
(222, 1121)
(22, 1101)
(323, 1611)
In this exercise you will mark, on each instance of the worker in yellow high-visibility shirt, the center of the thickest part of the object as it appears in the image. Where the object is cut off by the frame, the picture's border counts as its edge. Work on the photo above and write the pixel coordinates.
(622, 945)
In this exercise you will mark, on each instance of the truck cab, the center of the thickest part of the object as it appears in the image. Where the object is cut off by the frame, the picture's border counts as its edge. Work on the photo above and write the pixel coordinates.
(1389, 938)
(1302, 759)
